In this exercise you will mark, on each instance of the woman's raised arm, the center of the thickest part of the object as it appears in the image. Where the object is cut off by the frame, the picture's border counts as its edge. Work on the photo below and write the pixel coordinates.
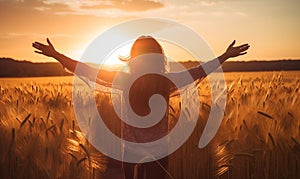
(85, 70)
(201, 71)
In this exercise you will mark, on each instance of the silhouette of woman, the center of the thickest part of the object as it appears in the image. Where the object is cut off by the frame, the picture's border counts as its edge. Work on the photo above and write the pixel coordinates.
(141, 91)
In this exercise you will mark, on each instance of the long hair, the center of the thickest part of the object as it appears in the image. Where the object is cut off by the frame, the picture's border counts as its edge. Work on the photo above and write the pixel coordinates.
(146, 51)
(143, 46)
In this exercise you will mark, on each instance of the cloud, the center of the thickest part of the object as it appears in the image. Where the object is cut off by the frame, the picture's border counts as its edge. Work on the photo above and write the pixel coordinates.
(125, 5)
(18, 35)
(34, 5)
(119, 8)
(208, 3)
(104, 8)
(241, 14)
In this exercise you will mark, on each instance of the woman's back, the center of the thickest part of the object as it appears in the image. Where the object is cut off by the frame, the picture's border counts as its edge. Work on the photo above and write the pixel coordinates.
(140, 93)
(145, 87)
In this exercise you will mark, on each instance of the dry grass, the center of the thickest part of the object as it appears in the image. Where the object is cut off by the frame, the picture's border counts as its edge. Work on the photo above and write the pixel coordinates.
(38, 133)
(255, 139)
(259, 136)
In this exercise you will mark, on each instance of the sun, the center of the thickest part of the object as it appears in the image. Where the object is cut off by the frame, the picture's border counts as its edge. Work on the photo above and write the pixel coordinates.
(123, 51)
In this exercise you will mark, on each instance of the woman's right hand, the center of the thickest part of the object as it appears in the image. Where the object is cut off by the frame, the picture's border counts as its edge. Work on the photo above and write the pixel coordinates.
(47, 50)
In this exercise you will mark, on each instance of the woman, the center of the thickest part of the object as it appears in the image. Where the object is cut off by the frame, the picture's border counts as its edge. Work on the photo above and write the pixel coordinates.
(142, 89)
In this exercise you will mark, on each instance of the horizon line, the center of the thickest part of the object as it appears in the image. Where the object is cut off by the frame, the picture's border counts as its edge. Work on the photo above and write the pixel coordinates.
(183, 61)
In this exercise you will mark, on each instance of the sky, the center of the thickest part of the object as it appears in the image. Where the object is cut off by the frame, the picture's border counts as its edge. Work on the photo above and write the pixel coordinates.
(271, 27)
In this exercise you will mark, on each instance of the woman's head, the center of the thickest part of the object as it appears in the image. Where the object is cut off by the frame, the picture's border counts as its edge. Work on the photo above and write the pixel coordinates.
(146, 46)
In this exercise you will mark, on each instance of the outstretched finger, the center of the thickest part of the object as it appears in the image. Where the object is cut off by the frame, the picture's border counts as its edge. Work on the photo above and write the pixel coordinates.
(38, 43)
(243, 53)
(38, 52)
(48, 41)
(37, 46)
(232, 44)
(243, 46)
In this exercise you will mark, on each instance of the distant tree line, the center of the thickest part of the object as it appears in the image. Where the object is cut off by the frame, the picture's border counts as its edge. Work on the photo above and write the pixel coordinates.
(278, 65)
(13, 68)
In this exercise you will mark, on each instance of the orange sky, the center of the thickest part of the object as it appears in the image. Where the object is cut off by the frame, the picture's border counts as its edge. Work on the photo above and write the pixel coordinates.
(271, 27)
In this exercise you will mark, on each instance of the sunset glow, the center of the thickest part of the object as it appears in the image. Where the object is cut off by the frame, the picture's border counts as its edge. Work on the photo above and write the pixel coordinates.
(150, 89)
(172, 52)
(271, 27)
(113, 59)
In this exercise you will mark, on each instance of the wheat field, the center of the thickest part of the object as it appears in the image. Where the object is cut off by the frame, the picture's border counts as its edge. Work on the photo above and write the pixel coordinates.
(259, 136)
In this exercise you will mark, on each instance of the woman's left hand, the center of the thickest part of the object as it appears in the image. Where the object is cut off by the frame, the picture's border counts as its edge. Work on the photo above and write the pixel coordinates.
(232, 51)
